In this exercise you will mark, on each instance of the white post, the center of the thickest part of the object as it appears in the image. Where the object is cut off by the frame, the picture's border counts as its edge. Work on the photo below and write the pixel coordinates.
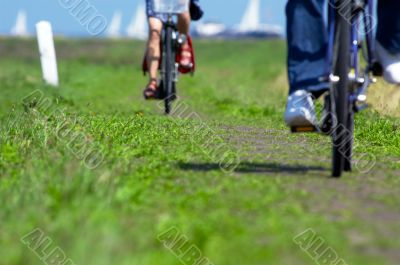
(47, 52)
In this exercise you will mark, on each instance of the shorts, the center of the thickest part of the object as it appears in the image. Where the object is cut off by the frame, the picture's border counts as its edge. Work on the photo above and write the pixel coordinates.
(150, 12)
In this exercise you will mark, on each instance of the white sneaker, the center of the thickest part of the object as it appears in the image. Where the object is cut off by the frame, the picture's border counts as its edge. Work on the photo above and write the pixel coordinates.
(390, 63)
(300, 110)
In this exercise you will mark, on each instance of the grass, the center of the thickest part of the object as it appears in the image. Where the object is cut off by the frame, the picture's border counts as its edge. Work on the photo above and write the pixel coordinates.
(159, 172)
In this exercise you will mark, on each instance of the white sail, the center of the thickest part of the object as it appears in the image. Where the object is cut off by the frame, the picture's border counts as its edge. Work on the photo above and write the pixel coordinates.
(138, 28)
(115, 25)
(20, 29)
(251, 18)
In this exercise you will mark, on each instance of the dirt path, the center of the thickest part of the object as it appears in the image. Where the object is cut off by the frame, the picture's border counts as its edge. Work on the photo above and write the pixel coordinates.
(370, 198)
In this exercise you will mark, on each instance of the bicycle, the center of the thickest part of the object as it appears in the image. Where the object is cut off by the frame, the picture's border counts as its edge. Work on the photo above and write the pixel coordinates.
(171, 45)
(349, 81)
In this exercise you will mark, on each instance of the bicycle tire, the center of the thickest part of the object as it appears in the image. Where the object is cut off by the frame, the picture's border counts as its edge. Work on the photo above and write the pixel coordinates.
(349, 145)
(168, 73)
(340, 90)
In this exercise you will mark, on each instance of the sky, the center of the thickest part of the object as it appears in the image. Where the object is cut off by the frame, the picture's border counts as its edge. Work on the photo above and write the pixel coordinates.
(272, 11)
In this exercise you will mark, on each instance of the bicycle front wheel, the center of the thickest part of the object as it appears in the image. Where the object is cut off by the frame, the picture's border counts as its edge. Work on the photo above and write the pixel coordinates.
(340, 91)
(169, 70)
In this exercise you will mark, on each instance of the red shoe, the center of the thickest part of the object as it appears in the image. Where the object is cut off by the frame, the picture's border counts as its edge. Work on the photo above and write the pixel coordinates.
(151, 91)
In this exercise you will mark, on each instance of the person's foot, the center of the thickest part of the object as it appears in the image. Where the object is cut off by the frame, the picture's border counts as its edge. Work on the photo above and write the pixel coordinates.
(151, 91)
(390, 63)
(186, 57)
(300, 110)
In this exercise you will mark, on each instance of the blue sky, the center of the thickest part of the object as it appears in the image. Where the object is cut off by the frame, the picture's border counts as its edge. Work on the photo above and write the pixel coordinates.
(272, 11)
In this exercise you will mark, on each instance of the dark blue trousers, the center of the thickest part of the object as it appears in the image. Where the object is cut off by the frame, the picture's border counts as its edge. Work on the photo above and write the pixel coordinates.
(307, 38)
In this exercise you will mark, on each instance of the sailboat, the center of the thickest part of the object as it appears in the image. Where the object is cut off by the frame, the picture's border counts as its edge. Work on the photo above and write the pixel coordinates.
(115, 25)
(250, 26)
(20, 29)
(209, 29)
(138, 28)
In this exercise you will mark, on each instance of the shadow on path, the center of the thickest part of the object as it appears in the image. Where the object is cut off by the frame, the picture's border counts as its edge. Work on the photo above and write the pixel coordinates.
(248, 167)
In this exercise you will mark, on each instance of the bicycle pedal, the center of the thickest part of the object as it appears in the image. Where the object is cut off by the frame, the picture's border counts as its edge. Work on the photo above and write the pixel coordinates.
(304, 129)
(376, 69)
(361, 107)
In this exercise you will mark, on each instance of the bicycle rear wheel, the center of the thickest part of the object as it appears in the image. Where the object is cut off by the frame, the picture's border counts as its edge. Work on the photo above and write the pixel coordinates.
(340, 91)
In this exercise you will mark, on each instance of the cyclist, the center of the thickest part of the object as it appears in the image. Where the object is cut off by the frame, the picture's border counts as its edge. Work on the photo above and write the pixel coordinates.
(307, 43)
(153, 52)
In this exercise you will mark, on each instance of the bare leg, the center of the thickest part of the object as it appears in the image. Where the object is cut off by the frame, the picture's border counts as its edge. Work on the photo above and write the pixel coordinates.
(184, 28)
(184, 23)
(153, 55)
(153, 47)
